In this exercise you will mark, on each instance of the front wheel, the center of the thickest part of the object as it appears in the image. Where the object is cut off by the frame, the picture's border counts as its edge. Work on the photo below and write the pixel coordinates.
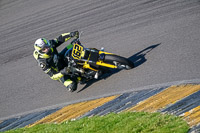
(120, 62)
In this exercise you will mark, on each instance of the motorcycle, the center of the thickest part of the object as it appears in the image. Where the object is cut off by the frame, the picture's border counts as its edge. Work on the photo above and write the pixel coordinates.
(87, 63)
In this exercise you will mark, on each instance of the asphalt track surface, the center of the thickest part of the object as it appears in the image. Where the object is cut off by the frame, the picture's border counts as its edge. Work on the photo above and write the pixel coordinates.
(162, 37)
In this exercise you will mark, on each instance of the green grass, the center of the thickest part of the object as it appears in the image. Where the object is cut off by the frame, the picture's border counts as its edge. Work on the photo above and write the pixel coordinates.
(128, 122)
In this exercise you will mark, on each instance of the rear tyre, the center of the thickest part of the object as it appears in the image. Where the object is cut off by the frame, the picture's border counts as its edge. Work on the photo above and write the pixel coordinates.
(120, 62)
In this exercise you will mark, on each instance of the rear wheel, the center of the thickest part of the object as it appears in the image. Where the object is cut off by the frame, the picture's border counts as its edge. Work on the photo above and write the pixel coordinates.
(120, 62)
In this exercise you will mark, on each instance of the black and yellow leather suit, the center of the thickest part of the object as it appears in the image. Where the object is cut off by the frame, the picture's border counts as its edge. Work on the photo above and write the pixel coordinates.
(52, 63)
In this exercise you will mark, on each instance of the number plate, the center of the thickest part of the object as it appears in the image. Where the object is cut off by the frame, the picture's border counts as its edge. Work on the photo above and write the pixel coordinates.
(77, 50)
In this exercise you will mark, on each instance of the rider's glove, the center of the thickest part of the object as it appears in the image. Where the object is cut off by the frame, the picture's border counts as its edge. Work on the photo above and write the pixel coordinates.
(74, 34)
(57, 76)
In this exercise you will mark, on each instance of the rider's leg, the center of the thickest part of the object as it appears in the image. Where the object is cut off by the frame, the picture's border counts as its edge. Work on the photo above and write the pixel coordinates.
(70, 84)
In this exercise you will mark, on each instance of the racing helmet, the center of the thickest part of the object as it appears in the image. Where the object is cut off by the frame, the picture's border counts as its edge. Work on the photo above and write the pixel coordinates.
(42, 46)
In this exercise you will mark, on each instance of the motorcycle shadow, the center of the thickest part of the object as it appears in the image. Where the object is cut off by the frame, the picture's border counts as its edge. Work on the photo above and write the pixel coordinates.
(138, 59)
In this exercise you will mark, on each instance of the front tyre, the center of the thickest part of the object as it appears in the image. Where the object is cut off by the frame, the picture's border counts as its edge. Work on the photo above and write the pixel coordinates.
(120, 62)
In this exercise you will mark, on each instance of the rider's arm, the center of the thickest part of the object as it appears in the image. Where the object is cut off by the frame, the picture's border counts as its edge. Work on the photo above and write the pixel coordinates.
(53, 73)
(64, 37)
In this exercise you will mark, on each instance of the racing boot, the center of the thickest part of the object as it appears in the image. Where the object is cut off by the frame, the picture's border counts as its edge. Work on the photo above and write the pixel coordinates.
(83, 81)
(71, 85)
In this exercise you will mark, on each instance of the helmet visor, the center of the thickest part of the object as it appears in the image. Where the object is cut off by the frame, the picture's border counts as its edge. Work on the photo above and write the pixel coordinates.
(45, 47)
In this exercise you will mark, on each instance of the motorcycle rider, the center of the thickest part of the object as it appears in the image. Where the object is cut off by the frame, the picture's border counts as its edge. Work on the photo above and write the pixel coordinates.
(52, 62)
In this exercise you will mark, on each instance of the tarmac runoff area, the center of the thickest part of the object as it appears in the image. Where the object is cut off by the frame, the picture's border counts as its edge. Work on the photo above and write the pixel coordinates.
(179, 98)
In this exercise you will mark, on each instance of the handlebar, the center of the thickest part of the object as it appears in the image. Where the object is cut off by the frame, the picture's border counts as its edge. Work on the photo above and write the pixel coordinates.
(75, 40)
